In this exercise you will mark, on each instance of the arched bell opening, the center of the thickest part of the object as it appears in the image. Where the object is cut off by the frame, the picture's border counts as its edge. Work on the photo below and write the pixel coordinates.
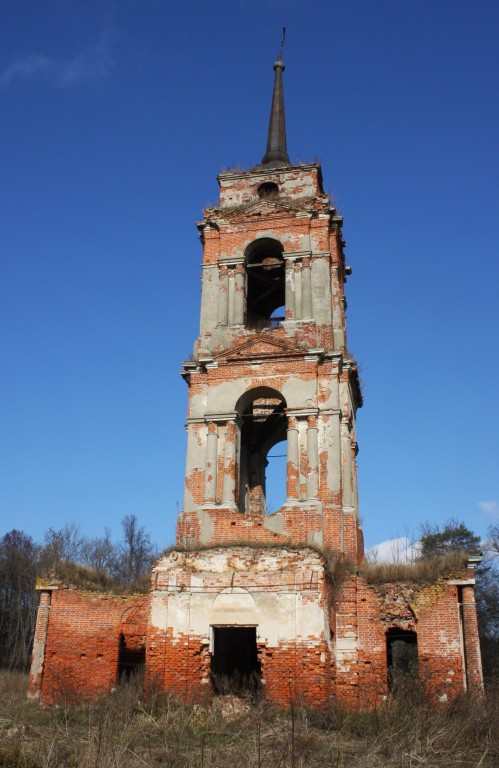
(265, 284)
(263, 421)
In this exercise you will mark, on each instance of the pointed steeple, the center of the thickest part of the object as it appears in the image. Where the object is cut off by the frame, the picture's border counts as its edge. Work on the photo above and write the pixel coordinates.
(277, 153)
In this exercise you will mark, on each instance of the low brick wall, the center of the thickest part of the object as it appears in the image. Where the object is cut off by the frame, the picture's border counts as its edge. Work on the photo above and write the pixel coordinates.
(81, 641)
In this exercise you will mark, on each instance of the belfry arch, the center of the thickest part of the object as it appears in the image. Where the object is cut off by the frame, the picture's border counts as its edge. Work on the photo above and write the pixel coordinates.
(265, 283)
(263, 424)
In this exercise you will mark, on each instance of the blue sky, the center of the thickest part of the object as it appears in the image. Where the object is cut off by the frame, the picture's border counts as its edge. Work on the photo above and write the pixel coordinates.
(116, 118)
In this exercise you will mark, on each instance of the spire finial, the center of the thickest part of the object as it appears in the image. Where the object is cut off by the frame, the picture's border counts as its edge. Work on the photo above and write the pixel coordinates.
(277, 153)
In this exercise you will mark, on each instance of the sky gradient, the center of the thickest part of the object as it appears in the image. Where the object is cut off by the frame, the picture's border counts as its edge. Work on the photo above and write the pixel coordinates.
(116, 118)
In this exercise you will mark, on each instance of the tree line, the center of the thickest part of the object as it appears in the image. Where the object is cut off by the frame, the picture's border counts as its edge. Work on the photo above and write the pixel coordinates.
(123, 565)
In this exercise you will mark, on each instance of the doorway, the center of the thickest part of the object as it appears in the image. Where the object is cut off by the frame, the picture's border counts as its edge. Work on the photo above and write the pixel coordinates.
(131, 662)
(235, 668)
(401, 656)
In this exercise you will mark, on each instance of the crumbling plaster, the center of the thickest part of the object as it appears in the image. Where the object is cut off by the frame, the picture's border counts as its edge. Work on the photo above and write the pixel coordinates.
(279, 591)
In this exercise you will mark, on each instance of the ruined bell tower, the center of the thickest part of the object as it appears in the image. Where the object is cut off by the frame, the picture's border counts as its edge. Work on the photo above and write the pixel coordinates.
(271, 362)
(252, 600)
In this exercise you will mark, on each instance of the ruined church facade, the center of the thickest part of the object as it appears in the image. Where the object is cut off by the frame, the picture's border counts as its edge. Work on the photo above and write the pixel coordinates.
(249, 599)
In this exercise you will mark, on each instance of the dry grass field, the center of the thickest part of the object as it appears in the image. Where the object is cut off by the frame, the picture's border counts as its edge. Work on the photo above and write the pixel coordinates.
(123, 730)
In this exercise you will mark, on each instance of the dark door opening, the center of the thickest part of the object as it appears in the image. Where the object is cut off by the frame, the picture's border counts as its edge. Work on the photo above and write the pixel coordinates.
(131, 662)
(401, 656)
(234, 662)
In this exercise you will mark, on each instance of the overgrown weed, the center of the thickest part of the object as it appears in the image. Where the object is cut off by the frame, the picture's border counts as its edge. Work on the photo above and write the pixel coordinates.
(422, 571)
(129, 730)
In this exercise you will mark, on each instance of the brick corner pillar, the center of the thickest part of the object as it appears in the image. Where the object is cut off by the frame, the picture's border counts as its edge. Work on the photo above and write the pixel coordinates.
(471, 640)
(39, 643)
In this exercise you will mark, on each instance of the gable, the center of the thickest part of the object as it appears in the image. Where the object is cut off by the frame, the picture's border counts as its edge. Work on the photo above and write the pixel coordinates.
(261, 348)
(264, 209)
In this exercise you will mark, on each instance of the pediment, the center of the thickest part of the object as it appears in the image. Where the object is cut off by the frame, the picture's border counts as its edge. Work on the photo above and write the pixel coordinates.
(264, 209)
(261, 348)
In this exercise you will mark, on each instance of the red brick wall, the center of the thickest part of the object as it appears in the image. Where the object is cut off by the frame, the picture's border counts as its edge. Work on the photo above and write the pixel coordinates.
(297, 674)
(365, 613)
(82, 643)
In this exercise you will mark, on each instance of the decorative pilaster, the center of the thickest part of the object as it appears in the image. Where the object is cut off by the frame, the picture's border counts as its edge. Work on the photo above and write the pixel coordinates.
(289, 286)
(346, 464)
(337, 309)
(306, 289)
(293, 460)
(230, 469)
(238, 300)
(355, 450)
(313, 458)
(39, 643)
(210, 473)
(472, 656)
(223, 295)
(298, 291)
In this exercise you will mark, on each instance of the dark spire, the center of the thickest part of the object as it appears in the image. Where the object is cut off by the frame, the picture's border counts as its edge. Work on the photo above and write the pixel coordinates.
(277, 153)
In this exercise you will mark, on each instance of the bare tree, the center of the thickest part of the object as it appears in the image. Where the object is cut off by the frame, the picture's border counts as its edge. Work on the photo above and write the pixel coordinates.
(100, 553)
(136, 551)
(19, 559)
(65, 544)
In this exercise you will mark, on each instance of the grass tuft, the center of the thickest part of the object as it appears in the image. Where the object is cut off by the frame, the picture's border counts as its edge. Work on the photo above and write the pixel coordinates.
(79, 576)
(419, 572)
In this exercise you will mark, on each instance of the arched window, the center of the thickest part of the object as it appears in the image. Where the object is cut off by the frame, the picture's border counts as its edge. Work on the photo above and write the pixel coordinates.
(268, 190)
(265, 283)
(263, 426)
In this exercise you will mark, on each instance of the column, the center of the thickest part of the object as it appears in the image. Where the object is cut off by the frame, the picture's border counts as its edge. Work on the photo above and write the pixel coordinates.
(313, 458)
(472, 657)
(230, 291)
(230, 469)
(298, 297)
(293, 460)
(238, 313)
(355, 491)
(210, 471)
(223, 295)
(289, 284)
(337, 309)
(38, 653)
(346, 463)
(306, 289)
